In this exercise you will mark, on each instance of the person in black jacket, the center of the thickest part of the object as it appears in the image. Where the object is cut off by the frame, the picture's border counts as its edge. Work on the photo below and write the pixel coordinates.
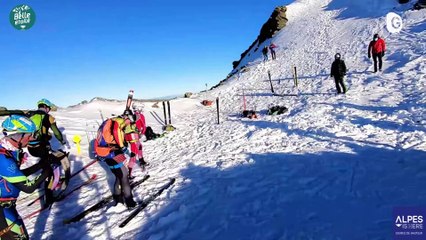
(265, 53)
(338, 71)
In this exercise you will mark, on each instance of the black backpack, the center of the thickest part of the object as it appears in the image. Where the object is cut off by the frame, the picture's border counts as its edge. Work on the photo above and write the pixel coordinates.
(150, 134)
(277, 110)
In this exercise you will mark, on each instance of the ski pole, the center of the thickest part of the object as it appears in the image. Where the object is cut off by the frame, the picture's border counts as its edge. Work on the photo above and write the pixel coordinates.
(168, 108)
(165, 116)
(270, 81)
(217, 105)
(102, 116)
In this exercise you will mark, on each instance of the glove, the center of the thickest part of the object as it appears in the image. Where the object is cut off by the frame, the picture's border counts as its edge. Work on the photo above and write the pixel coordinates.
(128, 152)
(125, 150)
(55, 161)
(46, 166)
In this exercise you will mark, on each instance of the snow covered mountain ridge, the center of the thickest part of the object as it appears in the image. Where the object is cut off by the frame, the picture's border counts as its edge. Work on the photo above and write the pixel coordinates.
(332, 167)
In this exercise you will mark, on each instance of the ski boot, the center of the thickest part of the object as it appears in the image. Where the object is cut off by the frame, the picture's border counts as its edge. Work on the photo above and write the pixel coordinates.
(131, 177)
(143, 164)
(130, 203)
(118, 198)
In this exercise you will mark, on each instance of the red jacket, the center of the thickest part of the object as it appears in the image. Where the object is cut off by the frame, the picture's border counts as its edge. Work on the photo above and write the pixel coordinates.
(140, 122)
(376, 47)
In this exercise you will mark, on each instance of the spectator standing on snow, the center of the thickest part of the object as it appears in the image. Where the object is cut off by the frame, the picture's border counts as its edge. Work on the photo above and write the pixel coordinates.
(338, 71)
(377, 47)
(265, 53)
(272, 49)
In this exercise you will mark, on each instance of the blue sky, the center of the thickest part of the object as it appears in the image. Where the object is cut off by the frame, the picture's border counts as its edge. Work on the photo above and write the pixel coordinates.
(79, 50)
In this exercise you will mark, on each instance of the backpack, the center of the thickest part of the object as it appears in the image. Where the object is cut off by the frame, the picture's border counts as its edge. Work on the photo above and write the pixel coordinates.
(105, 140)
(249, 114)
(149, 134)
(277, 110)
(40, 119)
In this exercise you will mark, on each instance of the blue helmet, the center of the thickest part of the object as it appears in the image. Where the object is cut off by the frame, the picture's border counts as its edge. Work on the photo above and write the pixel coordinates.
(19, 123)
(46, 102)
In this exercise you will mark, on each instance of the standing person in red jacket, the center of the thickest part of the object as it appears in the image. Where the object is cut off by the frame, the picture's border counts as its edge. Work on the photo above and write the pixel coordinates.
(377, 47)
(135, 127)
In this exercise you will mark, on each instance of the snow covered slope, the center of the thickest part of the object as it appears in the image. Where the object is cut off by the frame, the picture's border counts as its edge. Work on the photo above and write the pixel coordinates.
(333, 167)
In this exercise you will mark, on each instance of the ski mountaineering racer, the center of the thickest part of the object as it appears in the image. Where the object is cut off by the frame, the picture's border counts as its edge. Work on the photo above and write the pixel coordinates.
(13, 180)
(135, 127)
(40, 146)
(110, 148)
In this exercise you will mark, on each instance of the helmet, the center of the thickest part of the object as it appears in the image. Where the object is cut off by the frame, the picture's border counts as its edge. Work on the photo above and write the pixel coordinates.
(376, 37)
(337, 56)
(20, 124)
(45, 102)
(137, 108)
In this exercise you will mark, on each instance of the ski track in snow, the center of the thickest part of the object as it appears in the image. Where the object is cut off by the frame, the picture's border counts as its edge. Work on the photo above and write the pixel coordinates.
(333, 167)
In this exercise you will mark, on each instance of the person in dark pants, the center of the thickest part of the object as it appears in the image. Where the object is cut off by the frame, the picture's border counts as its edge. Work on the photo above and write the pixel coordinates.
(377, 48)
(338, 71)
(272, 50)
(40, 146)
(110, 147)
(13, 180)
(265, 53)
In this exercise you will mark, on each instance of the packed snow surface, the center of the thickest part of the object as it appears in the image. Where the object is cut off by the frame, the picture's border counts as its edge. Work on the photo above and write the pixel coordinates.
(332, 167)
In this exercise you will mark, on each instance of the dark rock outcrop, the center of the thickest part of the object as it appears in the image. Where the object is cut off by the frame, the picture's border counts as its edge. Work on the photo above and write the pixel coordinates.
(277, 21)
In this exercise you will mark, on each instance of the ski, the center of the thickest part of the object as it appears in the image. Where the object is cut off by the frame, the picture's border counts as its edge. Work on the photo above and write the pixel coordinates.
(61, 197)
(101, 204)
(129, 100)
(142, 205)
(72, 175)
(157, 118)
